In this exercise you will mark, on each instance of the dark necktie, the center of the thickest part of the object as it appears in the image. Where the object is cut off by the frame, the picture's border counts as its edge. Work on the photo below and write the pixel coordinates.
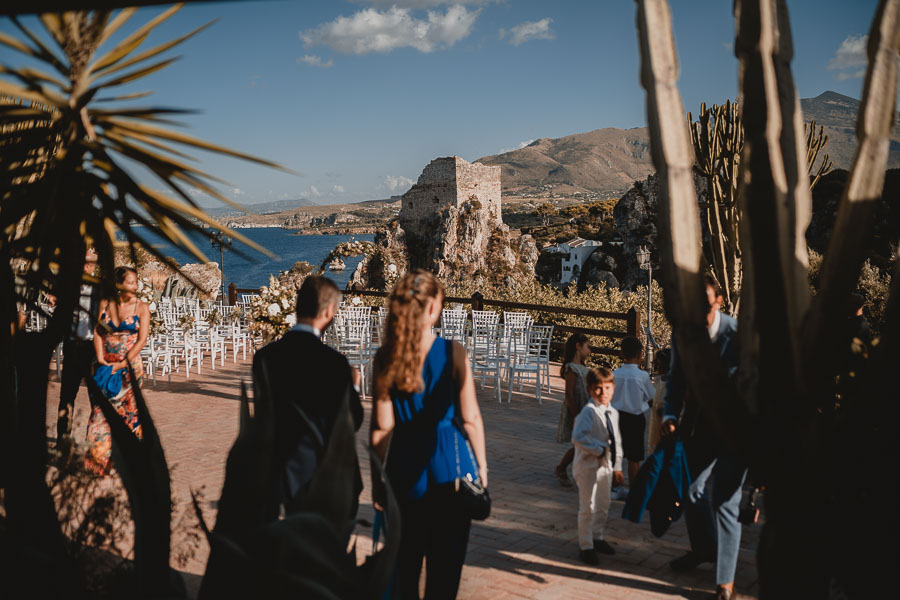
(612, 441)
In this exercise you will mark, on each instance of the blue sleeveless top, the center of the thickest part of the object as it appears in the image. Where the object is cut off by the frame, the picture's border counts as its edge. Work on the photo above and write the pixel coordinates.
(426, 443)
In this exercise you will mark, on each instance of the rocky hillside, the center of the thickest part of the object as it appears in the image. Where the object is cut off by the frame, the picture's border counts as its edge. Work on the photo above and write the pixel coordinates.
(606, 162)
(601, 163)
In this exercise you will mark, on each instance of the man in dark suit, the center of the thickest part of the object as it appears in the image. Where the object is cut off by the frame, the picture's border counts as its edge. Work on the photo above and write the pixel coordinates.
(300, 372)
(716, 473)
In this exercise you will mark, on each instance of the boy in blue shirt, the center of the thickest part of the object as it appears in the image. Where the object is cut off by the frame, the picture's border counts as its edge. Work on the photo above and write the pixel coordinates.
(598, 462)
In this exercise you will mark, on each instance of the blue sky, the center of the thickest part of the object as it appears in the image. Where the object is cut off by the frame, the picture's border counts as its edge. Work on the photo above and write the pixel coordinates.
(359, 96)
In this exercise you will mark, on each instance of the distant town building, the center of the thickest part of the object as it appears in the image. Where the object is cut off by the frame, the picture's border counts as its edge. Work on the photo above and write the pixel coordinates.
(574, 254)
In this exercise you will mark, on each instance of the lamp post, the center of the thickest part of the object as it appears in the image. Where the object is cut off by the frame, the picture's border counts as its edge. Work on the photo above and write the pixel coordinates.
(220, 242)
(645, 262)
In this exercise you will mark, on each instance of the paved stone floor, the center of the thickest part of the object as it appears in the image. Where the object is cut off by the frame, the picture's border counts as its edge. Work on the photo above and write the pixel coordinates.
(527, 549)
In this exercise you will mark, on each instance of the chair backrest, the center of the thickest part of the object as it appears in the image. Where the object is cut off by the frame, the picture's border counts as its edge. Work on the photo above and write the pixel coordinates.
(486, 341)
(484, 317)
(517, 319)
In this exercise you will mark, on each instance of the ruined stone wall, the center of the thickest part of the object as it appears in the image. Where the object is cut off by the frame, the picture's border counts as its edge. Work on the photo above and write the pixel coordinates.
(475, 181)
(450, 182)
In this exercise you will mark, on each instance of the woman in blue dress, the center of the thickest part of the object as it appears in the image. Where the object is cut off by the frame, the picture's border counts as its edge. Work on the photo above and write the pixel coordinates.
(421, 381)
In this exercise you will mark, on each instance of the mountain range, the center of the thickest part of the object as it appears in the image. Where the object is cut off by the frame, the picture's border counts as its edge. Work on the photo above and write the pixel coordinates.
(606, 162)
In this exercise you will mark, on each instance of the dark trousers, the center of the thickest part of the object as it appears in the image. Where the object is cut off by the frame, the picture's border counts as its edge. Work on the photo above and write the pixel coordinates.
(78, 358)
(432, 529)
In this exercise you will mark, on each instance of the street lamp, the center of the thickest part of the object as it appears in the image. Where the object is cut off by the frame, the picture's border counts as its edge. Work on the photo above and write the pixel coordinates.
(220, 242)
(645, 262)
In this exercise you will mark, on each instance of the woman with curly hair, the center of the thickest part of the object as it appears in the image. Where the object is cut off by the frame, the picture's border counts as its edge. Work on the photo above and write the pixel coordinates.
(425, 408)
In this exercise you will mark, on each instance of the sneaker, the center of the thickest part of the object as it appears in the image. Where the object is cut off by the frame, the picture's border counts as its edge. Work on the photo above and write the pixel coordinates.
(619, 493)
(690, 561)
(562, 476)
(602, 547)
(589, 557)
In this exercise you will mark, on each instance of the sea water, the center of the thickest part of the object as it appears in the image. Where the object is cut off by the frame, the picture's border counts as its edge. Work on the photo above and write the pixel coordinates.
(251, 269)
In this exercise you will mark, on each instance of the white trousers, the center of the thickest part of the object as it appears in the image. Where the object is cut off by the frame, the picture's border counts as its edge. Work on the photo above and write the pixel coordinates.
(594, 479)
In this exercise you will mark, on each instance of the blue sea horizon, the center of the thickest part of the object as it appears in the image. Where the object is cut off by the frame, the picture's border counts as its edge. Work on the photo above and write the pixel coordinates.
(253, 269)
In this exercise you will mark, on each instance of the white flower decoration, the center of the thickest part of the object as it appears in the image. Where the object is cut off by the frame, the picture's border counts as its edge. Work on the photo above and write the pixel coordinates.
(291, 319)
(152, 307)
(356, 301)
(285, 303)
(392, 268)
(274, 309)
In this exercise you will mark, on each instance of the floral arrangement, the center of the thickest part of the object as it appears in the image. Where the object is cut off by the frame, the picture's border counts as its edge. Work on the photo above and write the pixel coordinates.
(272, 313)
(235, 315)
(187, 322)
(150, 297)
(214, 318)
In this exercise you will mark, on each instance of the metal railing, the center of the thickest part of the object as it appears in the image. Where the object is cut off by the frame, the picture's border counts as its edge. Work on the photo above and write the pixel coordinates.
(631, 319)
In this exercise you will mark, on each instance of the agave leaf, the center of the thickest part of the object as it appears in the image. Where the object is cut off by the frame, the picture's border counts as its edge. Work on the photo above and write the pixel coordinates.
(191, 141)
(131, 42)
(137, 74)
(144, 139)
(43, 95)
(133, 96)
(153, 51)
(53, 24)
(114, 25)
(42, 53)
(33, 77)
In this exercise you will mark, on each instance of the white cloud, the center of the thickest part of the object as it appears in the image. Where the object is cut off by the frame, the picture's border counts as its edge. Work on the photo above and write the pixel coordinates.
(314, 191)
(237, 192)
(851, 53)
(337, 189)
(519, 147)
(315, 61)
(373, 30)
(851, 75)
(395, 183)
(529, 30)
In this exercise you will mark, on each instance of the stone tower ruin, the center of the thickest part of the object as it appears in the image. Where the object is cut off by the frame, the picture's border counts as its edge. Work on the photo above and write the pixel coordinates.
(451, 182)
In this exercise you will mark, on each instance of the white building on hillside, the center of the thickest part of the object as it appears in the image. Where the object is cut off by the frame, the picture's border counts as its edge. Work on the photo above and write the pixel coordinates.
(574, 253)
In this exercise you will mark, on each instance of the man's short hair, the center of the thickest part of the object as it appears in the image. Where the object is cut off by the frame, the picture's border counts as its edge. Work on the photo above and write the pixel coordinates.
(598, 375)
(316, 293)
(631, 347)
(710, 280)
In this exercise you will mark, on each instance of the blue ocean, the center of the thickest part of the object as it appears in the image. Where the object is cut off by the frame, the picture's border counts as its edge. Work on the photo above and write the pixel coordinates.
(252, 269)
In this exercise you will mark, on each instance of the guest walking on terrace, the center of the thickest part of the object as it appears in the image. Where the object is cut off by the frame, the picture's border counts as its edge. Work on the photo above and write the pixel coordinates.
(301, 372)
(119, 336)
(634, 393)
(578, 348)
(425, 409)
(712, 515)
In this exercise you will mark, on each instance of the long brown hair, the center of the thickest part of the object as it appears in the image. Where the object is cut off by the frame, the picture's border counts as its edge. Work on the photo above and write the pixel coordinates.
(397, 365)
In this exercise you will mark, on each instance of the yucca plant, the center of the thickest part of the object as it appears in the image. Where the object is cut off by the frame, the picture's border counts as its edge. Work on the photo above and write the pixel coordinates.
(828, 473)
(65, 134)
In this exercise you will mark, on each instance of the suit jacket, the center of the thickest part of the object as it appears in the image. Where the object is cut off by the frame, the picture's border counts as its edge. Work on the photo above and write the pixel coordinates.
(700, 438)
(303, 373)
(661, 486)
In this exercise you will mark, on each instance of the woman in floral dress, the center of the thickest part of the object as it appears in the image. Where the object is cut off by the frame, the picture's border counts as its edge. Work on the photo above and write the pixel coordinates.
(120, 334)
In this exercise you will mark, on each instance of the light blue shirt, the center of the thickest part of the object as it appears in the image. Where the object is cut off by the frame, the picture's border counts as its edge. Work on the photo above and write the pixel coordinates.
(590, 434)
(634, 390)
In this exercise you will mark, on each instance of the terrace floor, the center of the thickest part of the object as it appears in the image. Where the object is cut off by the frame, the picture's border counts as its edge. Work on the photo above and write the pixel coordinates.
(528, 547)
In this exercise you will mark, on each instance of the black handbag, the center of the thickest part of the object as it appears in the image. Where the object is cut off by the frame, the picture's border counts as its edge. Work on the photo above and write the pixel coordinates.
(473, 498)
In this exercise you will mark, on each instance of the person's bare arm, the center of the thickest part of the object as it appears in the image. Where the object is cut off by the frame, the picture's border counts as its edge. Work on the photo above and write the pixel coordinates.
(143, 314)
(381, 425)
(570, 392)
(98, 335)
(469, 411)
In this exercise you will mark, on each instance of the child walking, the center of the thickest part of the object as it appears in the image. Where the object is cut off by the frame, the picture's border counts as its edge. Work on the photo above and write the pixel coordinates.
(598, 463)
(634, 393)
(578, 348)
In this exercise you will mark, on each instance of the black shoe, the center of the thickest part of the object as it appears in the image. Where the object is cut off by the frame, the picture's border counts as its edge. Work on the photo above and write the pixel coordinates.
(690, 561)
(602, 547)
(589, 557)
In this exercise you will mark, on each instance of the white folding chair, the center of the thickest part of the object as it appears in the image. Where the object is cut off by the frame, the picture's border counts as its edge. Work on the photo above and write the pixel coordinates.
(486, 355)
